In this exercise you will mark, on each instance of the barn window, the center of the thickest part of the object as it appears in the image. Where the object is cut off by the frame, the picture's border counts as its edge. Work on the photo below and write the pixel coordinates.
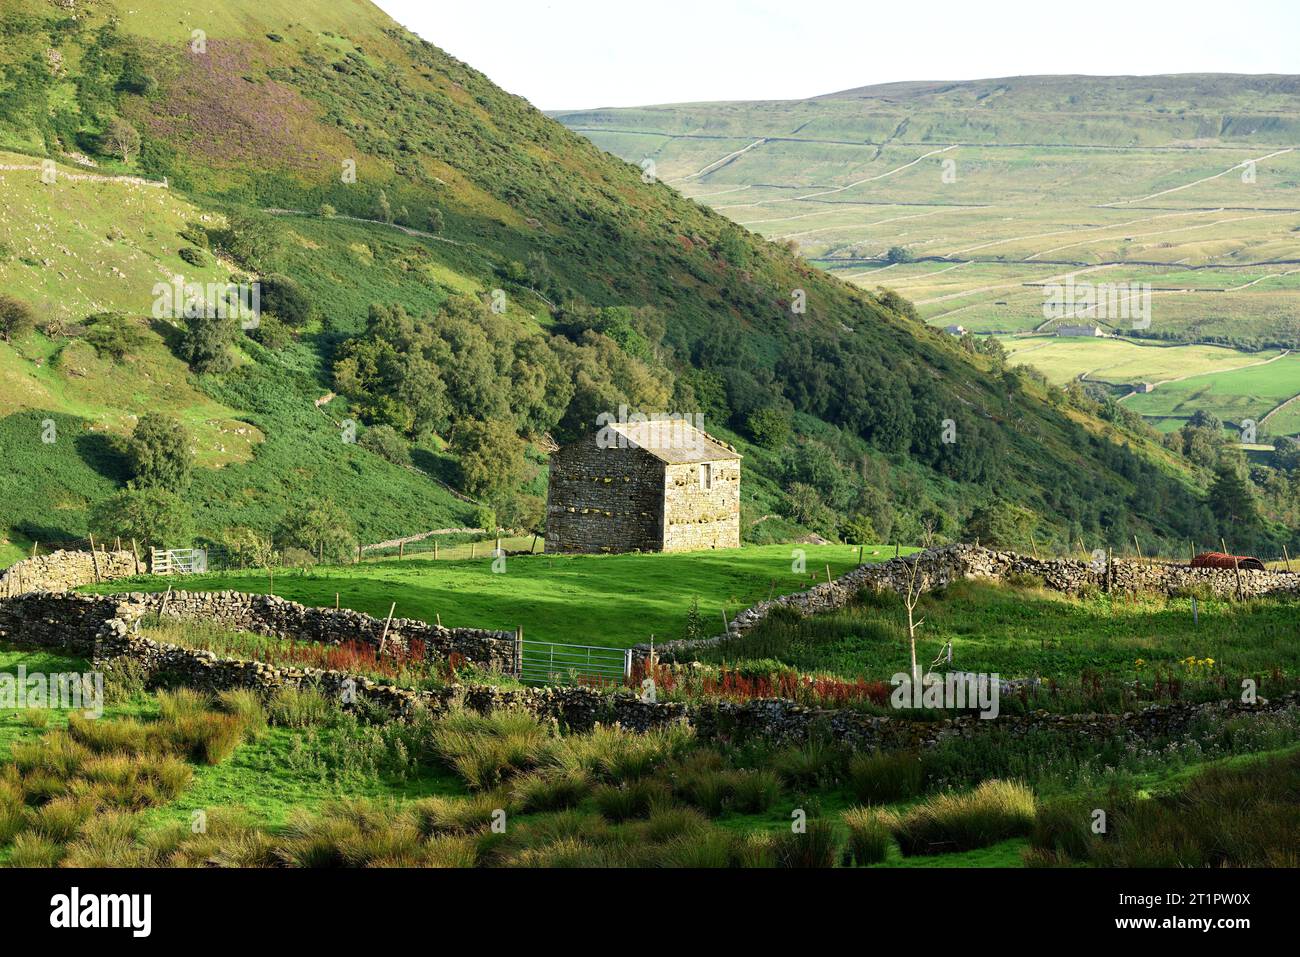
(706, 476)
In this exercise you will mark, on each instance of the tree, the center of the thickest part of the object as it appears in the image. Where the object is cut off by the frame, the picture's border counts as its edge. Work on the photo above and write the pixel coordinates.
(320, 528)
(900, 254)
(284, 297)
(121, 137)
(206, 341)
(159, 453)
(1231, 501)
(770, 426)
(917, 583)
(1002, 525)
(114, 335)
(491, 458)
(153, 517)
(383, 208)
(436, 222)
(17, 318)
(252, 239)
(384, 441)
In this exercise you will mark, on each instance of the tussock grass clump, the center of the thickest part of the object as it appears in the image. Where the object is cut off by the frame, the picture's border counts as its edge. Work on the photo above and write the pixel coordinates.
(61, 819)
(206, 737)
(456, 815)
(34, 850)
(666, 823)
(625, 802)
(883, 778)
(549, 789)
(817, 846)
(713, 848)
(870, 831)
(246, 705)
(753, 792)
(806, 768)
(993, 812)
(121, 735)
(180, 704)
(295, 707)
(710, 790)
(56, 753)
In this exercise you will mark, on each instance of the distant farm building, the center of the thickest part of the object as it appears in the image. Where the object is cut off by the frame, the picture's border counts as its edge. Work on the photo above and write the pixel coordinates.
(1090, 331)
(955, 330)
(1144, 387)
(660, 486)
(1220, 560)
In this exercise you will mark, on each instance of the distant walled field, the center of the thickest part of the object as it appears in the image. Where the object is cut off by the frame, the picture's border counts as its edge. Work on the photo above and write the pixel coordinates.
(607, 600)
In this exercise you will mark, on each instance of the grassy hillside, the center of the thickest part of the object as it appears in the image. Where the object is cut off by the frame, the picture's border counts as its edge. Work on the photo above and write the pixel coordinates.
(540, 282)
(997, 188)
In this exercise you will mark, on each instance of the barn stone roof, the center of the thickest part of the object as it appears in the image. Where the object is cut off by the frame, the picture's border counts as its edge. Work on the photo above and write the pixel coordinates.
(675, 441)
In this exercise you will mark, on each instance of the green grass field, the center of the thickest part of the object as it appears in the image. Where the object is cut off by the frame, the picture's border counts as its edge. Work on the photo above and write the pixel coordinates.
(612, 601)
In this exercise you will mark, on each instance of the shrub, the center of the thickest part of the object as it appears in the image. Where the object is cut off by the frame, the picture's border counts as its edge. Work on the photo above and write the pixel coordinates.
(285, 298)
(993, 812)
(817, 846)
(884, 778)
(114, 335)
(869, 834)
(17, 318)
(196, 257)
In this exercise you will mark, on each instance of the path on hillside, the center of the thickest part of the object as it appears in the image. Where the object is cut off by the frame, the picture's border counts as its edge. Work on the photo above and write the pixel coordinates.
(85, 177)
(409, 230)
(729, 158)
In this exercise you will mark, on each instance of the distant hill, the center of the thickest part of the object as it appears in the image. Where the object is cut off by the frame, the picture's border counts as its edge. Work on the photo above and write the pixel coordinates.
(485, 279)
(991, 192)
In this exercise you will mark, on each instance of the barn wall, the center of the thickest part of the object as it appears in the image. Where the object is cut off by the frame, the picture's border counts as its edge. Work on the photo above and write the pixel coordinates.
(604, 500)
(702, 518)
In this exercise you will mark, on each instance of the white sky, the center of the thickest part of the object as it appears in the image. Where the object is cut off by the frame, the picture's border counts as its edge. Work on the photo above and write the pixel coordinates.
(573, 54)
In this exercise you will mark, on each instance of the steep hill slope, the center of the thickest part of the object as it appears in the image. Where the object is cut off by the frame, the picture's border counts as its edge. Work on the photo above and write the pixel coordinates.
(524, 282)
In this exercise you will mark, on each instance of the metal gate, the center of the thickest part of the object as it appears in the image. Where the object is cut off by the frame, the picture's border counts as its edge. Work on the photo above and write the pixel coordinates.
(549, 663)
(179, 561)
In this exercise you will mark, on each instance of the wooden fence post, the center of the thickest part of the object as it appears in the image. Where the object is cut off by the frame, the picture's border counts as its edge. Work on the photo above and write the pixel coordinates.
(384, 637)
(135, 550)
(1286, 556)
(35, 545)
(94, 558)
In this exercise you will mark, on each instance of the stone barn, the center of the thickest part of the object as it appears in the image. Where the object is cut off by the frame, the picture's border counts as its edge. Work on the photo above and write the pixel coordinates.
(650, 486)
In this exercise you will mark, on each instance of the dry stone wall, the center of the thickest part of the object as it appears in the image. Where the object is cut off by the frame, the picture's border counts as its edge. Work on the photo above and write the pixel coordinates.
(938, 567)
(72, 622)
(64, 571)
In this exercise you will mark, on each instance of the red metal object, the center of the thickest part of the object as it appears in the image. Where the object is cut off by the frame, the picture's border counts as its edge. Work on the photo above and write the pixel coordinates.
(1222, 560)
